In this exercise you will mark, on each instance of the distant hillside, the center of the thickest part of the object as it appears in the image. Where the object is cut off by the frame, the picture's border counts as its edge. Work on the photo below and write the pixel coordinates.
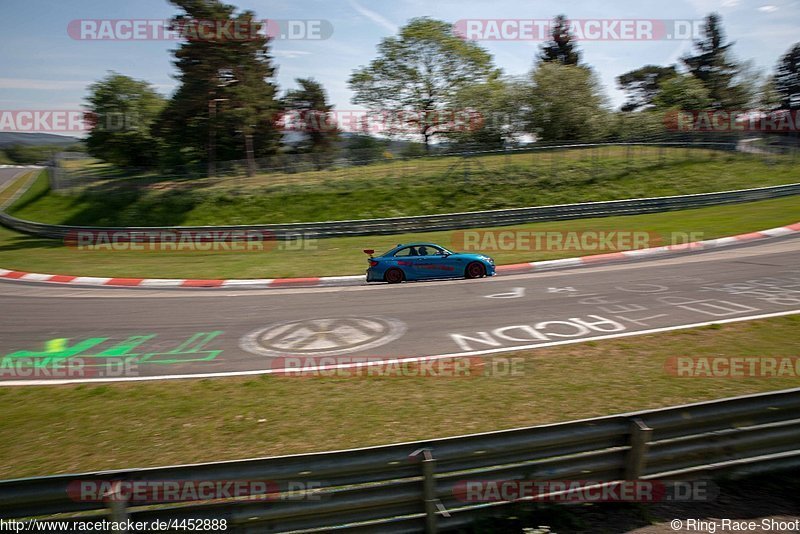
(38, 139)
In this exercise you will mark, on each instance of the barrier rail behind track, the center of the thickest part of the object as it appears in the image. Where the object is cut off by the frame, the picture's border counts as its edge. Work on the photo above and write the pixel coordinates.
(450, 221)
(410, 487)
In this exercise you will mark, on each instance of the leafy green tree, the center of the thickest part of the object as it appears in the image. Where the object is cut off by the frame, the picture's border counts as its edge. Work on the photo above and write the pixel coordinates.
(417, 75)
(714, 67)
(642, 85)
(122, 113)
(308, 108)
(683, 92)
(566, 103)
(561, 46)
(494, 113)
(787, 79)
(225, 105)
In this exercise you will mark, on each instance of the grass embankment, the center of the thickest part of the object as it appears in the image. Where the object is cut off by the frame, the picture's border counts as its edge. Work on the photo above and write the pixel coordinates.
(409, 187)
(58, 429)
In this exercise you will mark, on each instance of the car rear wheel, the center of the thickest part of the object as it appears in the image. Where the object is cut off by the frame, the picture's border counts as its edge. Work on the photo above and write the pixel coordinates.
(394, 276)
(475, 270)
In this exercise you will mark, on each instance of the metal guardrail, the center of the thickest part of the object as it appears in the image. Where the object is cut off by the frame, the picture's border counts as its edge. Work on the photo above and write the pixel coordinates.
(450, 221)
(411, 487)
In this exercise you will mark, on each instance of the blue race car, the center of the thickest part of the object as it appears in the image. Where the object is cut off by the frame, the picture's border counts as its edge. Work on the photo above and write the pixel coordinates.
(421, 261)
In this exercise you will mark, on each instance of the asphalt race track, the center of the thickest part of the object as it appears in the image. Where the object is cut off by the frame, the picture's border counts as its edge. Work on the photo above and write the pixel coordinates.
(8, 174)
(134, 334)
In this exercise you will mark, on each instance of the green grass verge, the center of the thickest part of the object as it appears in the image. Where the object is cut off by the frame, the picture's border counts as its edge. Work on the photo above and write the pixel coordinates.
(343, 256)
(412, 187)
(58, 429)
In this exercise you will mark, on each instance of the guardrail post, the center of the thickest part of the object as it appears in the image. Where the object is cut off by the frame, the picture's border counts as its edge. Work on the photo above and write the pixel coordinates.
(432, 503)
(637, 456)
(117, 506)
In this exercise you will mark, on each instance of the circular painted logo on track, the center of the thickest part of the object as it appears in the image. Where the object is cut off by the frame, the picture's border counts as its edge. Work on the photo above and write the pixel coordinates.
(316, 337)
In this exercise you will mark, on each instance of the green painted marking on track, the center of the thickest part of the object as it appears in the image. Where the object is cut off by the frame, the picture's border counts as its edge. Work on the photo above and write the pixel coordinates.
(47, 357)
(189, 348)
(58, 349)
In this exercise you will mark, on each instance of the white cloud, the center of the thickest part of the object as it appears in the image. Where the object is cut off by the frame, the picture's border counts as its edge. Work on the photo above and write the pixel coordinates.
(729, 3)
(44, 85)
(374, 17)
(768, 8)
(290, 54)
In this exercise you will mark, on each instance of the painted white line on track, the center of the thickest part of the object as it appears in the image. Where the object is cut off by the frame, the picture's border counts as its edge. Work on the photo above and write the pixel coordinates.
(391, 360)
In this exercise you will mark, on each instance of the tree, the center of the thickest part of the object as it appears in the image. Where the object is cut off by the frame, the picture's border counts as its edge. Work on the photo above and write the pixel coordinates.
(768, 96)
(642, 85)
(225, 104)
(417, 75)
(561, 46)
(308, 109)
(683, 92)
(122, 113)
(787, 79)
(566, 103)
(494, 113)
(714, 68)
(362, 148)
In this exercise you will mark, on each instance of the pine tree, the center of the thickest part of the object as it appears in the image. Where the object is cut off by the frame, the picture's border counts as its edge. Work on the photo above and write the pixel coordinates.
(225, 104)
(787, 79)
(561, 47)
(714, 68)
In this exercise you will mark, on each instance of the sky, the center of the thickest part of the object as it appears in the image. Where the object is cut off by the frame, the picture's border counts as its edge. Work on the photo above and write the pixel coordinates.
(42, 67)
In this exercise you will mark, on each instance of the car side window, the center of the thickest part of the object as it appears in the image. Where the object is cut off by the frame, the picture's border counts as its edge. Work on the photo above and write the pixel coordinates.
(407, 251)
(429, 250)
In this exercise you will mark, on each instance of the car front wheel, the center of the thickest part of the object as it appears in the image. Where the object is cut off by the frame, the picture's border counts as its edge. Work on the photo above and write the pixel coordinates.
(475, 270)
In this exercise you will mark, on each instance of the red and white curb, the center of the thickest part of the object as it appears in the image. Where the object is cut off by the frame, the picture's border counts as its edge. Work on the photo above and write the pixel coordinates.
(536, 266)
(340, 281)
